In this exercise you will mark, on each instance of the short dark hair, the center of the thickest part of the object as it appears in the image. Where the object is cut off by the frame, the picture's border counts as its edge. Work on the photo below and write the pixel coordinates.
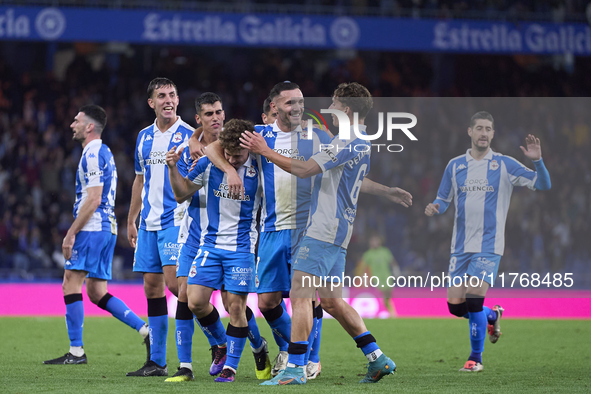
(281, 87)
(230, 136)
(206, 98)
(481, 115)
(97, 115)
(267, 106)
(159, 82)
(355, 96)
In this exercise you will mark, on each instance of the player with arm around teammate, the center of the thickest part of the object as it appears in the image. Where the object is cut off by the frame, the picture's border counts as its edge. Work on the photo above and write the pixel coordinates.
(480, 183)
(228, 238)
(322, 251)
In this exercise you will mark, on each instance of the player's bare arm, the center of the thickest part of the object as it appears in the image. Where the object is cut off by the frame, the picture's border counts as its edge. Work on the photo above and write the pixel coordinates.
(215, 153)
(134, 209)
(182, 188)
(432, 209)
(196, 148)
(89, 207)
(394, 194)
(257, 144)
(533, 149)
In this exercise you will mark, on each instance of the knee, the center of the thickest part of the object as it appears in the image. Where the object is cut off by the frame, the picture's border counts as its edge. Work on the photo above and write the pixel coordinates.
(268, 301)
(154, 286)
(330, 305)
(173, 286)
(458, 310)
(236, 309)
(199, 308)
(93, 295)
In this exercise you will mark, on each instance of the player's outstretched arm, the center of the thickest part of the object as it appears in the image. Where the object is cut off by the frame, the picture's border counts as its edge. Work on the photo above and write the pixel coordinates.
(88, 208)
(394, 194)
(134, 209)
(182, 188)
(257, 144)
(215, 154)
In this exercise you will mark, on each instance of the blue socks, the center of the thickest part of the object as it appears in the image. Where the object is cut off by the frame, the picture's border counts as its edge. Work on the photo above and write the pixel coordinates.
(158, 322)
(184, 332)
(74, 318)
(297, 353)
(311, 337)
(280, 323)
(491, 316)
(314, 356)
(210, 338)
(253, 330)
(477, 324)
(236, 341)
(119, 310)
(366, 342)
(212, 325)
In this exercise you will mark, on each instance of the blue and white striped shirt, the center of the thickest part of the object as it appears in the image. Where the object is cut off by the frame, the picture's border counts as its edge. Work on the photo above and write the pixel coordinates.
(335, 193)
(159, 207)
(481, 191)
(229, 224)
(97, 168)
(286, 198)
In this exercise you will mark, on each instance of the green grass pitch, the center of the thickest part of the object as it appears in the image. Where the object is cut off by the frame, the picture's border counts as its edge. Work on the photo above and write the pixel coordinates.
(541, 356)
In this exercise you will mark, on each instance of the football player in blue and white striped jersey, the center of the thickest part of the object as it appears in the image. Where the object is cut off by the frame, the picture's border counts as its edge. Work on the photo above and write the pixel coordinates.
(156, 246)
(89, 244)
(227, 241)
(322, 251)
(480, 183)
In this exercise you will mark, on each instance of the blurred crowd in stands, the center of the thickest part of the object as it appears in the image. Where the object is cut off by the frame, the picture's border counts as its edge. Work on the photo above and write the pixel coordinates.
(509, 10)
(38, 159)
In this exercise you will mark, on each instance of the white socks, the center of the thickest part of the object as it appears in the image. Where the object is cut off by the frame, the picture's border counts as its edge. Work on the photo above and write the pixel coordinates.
(77, 351)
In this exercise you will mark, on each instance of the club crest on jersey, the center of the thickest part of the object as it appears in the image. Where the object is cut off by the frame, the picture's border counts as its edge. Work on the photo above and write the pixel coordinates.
(493, 165)
(177, 138)
(250, 172)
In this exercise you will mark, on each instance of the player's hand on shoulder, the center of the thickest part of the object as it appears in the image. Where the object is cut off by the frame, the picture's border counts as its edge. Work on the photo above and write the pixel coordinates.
(432, 209)
(235, 186)
(533, 149)
(400, 196)
(196, 148)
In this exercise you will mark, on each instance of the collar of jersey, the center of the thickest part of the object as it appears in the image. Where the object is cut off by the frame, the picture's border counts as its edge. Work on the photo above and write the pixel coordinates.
(91, 144)
(276, 128)
(488, 156)
(172, 128)
(248, 161)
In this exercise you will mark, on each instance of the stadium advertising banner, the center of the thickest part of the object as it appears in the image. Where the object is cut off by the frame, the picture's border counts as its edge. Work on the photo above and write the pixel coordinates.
(302, 31)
